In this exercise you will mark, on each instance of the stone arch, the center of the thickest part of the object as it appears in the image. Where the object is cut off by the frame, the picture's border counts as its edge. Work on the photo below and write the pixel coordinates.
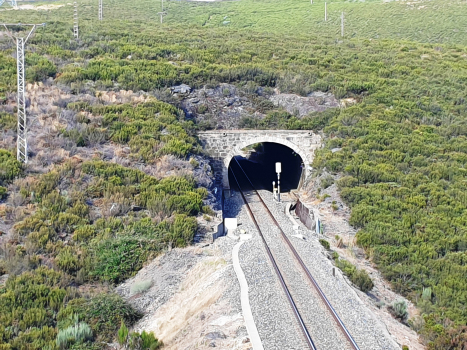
(223, 145)
(236, 150)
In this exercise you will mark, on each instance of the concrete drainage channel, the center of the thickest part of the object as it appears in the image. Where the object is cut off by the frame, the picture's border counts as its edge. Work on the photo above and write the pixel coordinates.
(246, 308)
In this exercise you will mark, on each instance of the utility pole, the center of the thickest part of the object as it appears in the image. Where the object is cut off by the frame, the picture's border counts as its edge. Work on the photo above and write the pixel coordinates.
(162, 13)
(75, 21)
(342, 24)
(22, 141)
(325, 12)
(11, 2)
(101, 12)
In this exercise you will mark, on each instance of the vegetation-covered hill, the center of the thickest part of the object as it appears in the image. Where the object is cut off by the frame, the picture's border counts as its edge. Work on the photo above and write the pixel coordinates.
(404, 144)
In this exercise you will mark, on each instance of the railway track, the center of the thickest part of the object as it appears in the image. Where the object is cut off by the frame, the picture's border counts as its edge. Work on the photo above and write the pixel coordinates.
(305, 317)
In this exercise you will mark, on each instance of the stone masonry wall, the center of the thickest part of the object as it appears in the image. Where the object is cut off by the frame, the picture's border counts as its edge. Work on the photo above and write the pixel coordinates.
(223, 145)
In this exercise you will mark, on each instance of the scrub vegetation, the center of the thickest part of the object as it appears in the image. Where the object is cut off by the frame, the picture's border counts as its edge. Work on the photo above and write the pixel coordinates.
(403, 147)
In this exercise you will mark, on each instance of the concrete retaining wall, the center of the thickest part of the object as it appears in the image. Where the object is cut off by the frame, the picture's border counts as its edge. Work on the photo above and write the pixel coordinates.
(305, 215)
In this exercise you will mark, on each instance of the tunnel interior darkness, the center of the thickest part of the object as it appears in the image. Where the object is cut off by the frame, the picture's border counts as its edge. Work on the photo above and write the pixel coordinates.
(260, 167)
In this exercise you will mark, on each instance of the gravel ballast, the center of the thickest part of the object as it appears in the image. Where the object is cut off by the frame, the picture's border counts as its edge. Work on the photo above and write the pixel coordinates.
(275, 322)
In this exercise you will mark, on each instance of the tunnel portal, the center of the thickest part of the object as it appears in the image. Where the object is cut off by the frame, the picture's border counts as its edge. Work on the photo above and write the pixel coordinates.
(223, 145)
(259, 165)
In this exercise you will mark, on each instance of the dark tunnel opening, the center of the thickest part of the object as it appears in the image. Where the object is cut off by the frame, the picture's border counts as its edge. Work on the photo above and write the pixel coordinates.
(260, 166)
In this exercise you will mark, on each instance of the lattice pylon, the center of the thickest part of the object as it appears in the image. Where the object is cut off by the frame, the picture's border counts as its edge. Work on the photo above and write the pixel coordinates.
(101, 10)
(11, 2)
(75, 21)
(22, 142)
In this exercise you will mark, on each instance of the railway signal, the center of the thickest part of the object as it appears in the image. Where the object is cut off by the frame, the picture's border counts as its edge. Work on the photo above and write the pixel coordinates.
(278, 171)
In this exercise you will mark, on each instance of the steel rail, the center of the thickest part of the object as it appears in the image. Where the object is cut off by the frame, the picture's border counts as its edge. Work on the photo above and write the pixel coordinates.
(303, 328)
(302, 264)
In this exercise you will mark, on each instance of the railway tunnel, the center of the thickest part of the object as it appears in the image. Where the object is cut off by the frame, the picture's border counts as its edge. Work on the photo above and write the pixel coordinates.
(258, 162)
(294, 148)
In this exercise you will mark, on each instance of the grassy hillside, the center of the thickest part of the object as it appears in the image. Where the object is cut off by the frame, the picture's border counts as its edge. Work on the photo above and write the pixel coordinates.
(404, 143)
(434, 21)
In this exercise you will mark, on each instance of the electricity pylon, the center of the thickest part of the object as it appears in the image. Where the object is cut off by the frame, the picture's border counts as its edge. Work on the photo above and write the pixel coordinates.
(75, 21)
(11, 2)
(22, 141)
(101, 10)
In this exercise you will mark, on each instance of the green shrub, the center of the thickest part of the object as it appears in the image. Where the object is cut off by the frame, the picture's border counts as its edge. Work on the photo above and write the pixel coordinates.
(150, 342)
(76, 334)
(399, 309)
(42, 237)
(325, 244)
(151, 129)
(359, 278)
(122, 334)
(327, 181)
(143, 341)
(10, 168)
(426, 294)
(84, 233)
(346, 181)
(105, 312)
(202, 109)
(3, 192)
(29, 302)
(68, 260)
(194, 163)
(7, 121)
(120, 258)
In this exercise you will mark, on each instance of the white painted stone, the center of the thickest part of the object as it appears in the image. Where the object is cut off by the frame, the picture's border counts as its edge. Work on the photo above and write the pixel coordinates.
(230, 224)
